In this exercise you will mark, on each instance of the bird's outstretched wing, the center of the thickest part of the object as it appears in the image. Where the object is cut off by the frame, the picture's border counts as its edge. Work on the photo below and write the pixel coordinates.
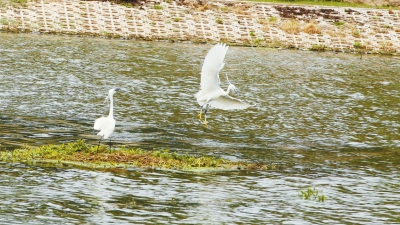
(213, 63)
(227, 102)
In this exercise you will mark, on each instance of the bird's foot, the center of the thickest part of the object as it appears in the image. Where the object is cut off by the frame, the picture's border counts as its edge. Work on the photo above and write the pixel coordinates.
(205, 123)
(199, 116)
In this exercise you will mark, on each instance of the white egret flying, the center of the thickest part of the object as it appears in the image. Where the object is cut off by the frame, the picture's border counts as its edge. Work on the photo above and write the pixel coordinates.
(211, 94)
(106, 125)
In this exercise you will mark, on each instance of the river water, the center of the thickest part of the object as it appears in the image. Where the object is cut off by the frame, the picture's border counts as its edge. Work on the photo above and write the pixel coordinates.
(327, 121)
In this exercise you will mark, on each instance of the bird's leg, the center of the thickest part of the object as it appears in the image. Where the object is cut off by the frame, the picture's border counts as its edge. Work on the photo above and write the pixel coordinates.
(99, 144)
(110, 144)
(205, 117)
(206, 110)
(201, 110)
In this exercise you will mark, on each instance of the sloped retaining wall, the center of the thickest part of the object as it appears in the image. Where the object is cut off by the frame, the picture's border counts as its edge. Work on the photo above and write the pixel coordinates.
(237, 23)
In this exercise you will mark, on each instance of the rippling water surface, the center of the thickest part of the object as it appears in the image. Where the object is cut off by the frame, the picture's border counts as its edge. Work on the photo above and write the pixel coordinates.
(326, 120)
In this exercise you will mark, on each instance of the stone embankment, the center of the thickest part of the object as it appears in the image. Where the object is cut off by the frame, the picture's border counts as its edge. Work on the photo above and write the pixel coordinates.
(237, 23)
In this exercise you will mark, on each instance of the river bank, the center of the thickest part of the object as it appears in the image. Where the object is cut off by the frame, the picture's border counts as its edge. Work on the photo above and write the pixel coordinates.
(236, 23)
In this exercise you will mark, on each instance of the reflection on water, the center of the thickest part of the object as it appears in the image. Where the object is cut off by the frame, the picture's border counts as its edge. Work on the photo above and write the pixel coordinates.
(326, 120)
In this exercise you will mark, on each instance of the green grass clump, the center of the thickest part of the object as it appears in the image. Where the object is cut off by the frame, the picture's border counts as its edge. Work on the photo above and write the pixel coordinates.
(3, 21)
(157, 7)
(318, 48)
(338, 23)
(225, 9)
(127, 5)
(312, 194)
(79, 153)
(4, 3)
(258, 41)
(358, 45)
(273, 19)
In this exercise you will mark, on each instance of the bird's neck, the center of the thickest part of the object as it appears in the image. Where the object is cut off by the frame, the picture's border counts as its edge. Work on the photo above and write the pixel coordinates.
(111, 107)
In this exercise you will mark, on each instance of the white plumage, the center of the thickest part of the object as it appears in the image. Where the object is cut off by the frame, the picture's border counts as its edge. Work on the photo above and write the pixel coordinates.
(211, 94)
(106, 125)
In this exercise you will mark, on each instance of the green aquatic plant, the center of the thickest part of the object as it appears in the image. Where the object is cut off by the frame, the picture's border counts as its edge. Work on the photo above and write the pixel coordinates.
(80, 154)
(157, 7)
(312, 194)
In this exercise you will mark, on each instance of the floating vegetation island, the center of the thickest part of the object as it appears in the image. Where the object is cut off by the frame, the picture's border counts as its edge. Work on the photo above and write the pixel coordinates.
(82, 155)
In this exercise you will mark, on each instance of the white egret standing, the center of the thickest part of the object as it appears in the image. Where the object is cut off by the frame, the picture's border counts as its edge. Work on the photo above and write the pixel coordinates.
(106, 125)
(211, 94)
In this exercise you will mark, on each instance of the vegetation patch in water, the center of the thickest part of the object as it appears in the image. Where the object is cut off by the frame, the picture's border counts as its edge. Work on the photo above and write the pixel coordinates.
(80, 154)
(312, 194)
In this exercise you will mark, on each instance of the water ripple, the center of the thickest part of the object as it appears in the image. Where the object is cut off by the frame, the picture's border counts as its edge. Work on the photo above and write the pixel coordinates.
(324, 120)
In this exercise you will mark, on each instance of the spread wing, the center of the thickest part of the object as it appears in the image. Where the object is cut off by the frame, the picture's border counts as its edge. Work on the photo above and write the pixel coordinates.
(227, 102)
(213, 63)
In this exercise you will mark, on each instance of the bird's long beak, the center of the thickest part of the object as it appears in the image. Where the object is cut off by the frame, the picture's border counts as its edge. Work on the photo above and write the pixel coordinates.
(117, 89)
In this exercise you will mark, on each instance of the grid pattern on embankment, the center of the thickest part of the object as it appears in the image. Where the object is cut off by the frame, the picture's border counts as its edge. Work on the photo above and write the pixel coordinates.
(236, 23)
